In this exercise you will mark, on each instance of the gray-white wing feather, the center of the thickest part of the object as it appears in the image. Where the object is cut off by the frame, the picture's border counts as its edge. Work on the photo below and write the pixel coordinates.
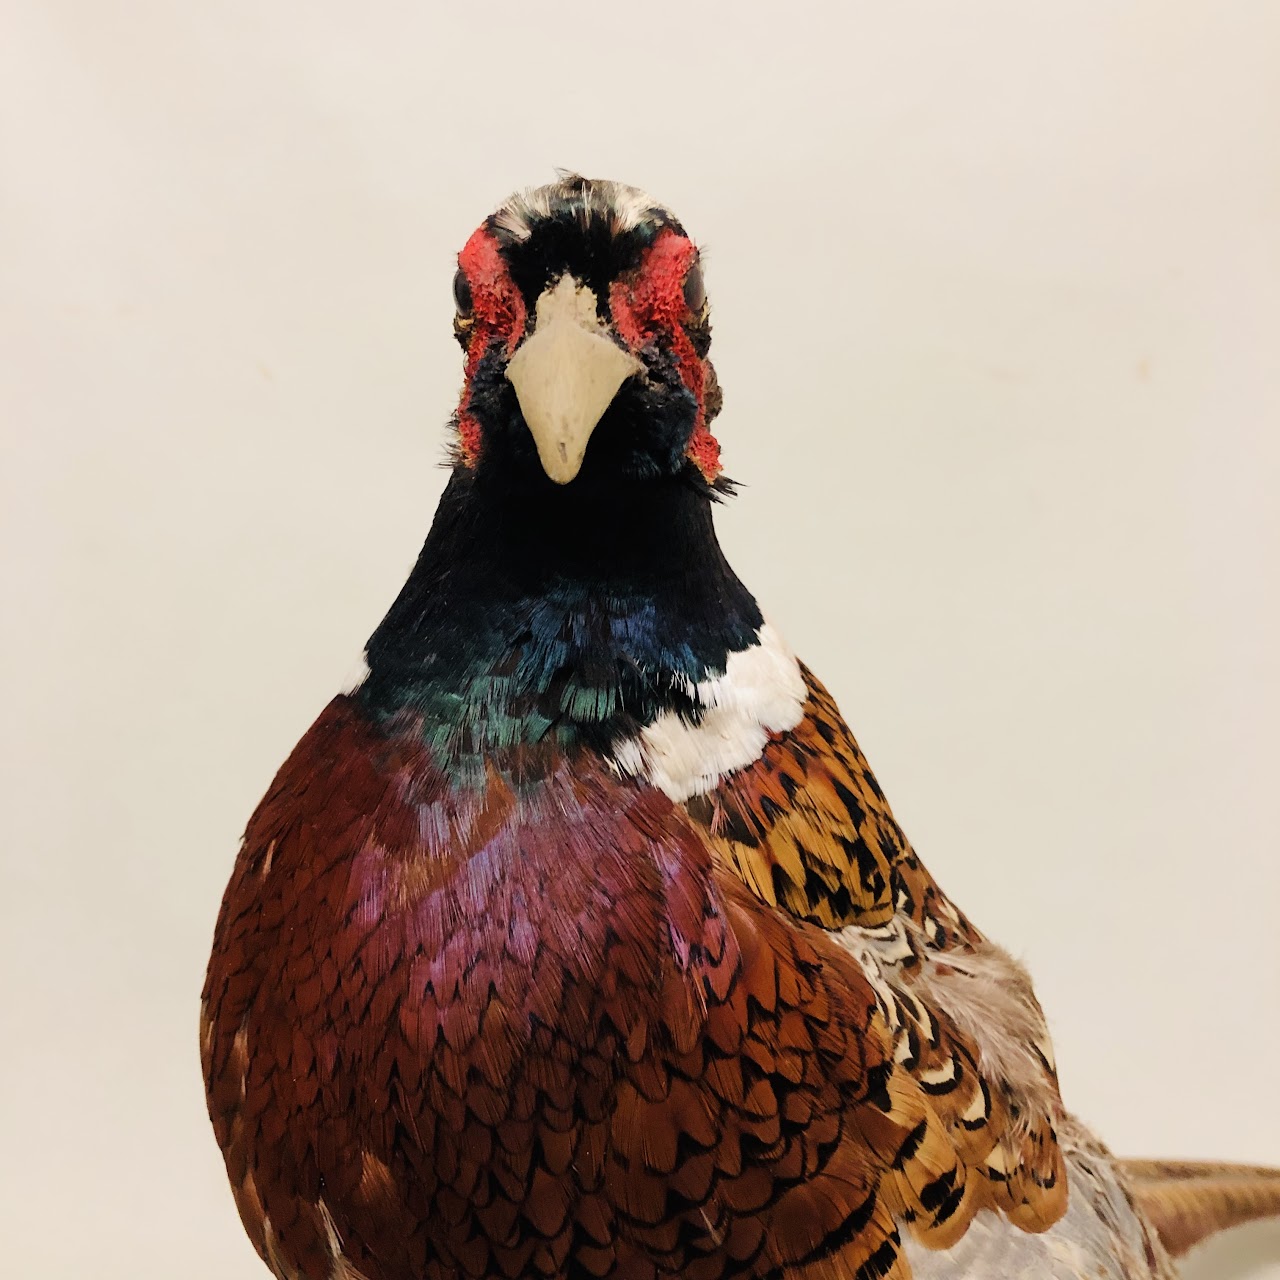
(1100, 1237)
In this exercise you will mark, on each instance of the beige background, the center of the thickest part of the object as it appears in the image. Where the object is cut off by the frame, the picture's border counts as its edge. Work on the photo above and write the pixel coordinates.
(997, 301)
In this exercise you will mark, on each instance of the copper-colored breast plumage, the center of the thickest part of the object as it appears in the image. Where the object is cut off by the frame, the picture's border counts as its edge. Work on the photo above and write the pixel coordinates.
(537, 1031)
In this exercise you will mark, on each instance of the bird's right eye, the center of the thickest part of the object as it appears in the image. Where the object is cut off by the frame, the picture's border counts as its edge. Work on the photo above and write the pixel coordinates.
(462, 294)
(695, 292)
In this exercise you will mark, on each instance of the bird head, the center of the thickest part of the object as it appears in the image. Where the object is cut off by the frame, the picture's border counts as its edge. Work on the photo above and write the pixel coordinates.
(583, 315)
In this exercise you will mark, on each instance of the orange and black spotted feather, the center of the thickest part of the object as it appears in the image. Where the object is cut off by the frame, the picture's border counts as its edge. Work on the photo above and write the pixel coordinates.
(807, 828)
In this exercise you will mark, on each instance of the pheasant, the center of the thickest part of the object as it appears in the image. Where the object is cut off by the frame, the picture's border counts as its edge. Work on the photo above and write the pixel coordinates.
(577, 938)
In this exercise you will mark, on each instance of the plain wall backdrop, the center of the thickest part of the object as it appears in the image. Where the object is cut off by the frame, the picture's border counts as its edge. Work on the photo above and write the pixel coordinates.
(996, 288)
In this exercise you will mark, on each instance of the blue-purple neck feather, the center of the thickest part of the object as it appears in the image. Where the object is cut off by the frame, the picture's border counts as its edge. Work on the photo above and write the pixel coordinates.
(537, 615)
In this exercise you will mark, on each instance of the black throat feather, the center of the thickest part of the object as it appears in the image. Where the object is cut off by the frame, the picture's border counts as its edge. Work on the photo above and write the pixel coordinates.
(556, 617)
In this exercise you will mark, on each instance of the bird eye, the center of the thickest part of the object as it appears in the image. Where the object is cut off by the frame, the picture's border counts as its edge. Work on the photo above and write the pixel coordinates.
(695, 292)
(462, 294)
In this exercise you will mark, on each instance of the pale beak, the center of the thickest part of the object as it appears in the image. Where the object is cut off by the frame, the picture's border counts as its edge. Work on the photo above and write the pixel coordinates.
(566, 374)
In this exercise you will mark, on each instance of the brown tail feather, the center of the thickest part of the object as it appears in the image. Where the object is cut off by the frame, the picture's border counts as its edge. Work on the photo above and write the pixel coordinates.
(1187, 1201)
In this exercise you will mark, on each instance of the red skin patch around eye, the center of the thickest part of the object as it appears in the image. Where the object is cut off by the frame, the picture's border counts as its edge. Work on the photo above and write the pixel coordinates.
(651, 301)
(498, 309)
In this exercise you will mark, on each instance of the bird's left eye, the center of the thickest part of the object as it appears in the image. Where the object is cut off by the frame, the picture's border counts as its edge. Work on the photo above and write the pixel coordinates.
(462, 294)
(695, 292)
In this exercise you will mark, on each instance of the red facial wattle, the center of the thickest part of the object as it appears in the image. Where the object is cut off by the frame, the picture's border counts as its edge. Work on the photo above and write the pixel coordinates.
(647, 303)
(651, 301)
(497, 310)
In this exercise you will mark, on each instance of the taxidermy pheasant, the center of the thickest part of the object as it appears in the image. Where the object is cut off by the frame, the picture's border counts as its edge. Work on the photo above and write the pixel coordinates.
(578, 938)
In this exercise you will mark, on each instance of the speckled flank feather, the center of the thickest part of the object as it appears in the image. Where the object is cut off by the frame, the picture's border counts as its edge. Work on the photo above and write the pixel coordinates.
(1101, 1236)
(807, 827)
(577, 939)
